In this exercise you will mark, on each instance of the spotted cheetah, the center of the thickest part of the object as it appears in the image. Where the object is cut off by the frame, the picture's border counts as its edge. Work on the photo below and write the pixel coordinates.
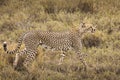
(59, 41)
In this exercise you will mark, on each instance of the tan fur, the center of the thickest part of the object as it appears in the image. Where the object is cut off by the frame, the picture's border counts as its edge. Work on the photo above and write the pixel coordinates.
(62, 41)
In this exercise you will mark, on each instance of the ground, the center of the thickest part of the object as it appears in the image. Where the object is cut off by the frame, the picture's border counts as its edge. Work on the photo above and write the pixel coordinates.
(102, 48)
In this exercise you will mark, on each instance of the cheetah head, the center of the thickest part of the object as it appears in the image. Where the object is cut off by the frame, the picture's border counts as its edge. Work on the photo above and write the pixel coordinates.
(84, 28)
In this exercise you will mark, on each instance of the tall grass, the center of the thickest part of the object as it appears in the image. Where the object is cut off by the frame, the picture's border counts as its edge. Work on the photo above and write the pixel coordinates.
(102, 48)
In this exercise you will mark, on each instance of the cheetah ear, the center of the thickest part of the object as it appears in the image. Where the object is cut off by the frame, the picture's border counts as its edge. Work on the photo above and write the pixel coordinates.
(82, 25)
(95, 26)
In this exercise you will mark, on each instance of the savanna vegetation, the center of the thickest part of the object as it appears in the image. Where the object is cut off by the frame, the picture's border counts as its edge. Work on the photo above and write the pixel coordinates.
(102, 47)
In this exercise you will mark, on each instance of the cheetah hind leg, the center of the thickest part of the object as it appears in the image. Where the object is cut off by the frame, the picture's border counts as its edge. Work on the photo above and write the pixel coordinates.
(15, 63)
(28, 60)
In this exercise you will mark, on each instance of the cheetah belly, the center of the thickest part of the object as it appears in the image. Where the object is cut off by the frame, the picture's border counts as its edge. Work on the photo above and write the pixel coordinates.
(58, 44)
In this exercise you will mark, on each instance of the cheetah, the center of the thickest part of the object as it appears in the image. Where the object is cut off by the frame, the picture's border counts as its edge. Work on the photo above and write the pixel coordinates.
(59, 41)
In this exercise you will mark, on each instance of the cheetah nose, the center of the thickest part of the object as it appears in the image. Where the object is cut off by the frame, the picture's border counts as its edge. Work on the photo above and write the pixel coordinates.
(93, 30)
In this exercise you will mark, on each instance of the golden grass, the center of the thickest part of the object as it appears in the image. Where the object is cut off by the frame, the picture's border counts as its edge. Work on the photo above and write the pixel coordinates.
(102, 48)
(103, 64)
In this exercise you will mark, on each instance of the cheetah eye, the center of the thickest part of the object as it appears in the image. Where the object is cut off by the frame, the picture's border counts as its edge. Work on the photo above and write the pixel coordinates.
(83, 25)
(91, 27)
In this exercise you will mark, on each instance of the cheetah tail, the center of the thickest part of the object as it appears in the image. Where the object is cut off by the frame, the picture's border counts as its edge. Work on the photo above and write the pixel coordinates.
(5, 46)
(17, 47)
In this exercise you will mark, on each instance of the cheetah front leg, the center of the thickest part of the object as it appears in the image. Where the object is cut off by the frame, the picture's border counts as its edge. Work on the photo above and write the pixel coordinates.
(81, 57)
(78, 48)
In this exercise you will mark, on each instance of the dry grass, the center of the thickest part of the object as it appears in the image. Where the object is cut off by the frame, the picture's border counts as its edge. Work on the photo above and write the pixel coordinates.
(103, 64)
(102, 48)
